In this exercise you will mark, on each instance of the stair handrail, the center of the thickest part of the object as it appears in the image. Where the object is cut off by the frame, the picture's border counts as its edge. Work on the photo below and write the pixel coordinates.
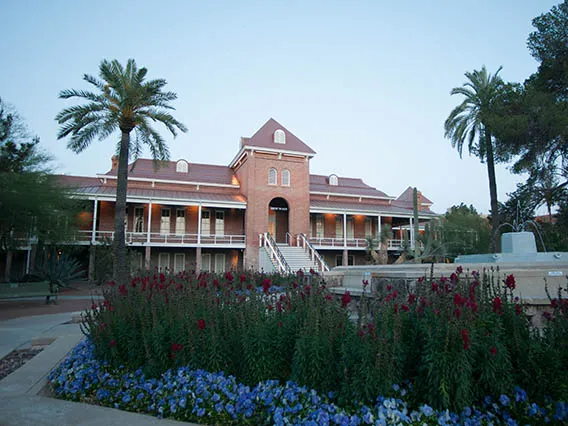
(305, 243)
(274, 252)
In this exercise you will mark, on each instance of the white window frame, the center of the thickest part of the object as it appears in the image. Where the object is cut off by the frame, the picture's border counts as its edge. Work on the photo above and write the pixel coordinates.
(280, 137)
(182, 166)
(339, 227)
(163, 261)
(206, 262)
(333, 181)
(163, 230)
(205, 222)
(369, 227)
(285, 177)
(135, 222)
(350, 228)
(272, 176)
(180, 230)
(219, 222)
(320, 226)
(219, 263)
(178, 263)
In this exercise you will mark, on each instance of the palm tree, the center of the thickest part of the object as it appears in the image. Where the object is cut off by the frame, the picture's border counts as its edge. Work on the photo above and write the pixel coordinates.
(123, 101)
(468, 122)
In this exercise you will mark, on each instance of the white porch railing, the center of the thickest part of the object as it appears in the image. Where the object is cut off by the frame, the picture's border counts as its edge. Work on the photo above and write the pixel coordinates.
(353, 243)
(158, 238)
(302, 241)
(265, 240)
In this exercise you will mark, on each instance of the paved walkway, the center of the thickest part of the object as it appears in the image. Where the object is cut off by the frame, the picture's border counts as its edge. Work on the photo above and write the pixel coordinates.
(21, 397)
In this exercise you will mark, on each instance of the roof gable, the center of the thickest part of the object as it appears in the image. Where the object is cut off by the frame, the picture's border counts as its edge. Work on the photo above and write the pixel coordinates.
(348, 186)
(264, 138)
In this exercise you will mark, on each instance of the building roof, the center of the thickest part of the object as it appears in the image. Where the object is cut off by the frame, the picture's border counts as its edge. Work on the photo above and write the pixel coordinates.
(407, 196)
(264, 138)
(355, 207)
(166, 170)
(93, 187)
(345, 186)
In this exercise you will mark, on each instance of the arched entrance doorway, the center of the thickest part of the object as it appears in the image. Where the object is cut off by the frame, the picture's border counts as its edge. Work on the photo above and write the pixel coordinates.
(278, 219)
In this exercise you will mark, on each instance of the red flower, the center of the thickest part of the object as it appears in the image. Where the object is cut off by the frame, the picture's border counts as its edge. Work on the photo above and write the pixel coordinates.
(465, 338)
(94, 306)
(420, 280)
(201, 324)
(411, 298)
(510, 282)
(111, 283)
(365, 284)
(122, 290)
(547, 315)
(280, 324)
(216, 283)
(328, 297)
(243, 278)
(435, 286)
(493, 350)
(112, 343)
(497, 306)
(459, 270)
(457, 313)
(454, 278)
(265, 285)
(177, 347)
(389, 287)
(518, 309)
(405, 308)
(459, 300)
(307, 289)
(229, 276)
(345, 299)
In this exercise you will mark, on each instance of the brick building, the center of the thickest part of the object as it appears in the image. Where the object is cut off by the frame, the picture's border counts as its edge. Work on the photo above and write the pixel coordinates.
(249, 214)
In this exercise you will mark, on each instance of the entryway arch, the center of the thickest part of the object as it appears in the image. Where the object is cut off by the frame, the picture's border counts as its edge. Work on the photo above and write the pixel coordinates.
(278, 211)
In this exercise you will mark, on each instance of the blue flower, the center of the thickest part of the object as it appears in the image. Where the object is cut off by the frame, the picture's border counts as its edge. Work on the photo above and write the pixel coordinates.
(504, 400)
(427, 410)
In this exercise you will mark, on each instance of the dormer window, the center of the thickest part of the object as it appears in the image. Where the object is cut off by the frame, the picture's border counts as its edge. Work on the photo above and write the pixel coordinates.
(280, 136)
(182, 166)
(333, 180)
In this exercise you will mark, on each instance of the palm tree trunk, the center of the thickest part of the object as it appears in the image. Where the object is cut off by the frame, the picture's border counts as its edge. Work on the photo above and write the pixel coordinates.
(120, 268)
(492, 192)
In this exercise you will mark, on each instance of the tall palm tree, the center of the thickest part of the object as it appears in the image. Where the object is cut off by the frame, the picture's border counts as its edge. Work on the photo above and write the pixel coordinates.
(469, 122)
(123, 101)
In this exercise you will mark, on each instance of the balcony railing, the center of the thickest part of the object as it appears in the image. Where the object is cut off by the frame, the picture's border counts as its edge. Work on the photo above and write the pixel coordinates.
(85, 237)
(351, 243)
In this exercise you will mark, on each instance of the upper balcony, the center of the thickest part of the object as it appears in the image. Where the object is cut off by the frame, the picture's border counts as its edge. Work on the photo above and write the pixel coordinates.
(157, 239)
(329, 243)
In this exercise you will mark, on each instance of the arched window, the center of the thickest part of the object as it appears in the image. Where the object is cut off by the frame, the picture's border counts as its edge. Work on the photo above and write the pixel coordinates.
(279, 136)
(285, 177)
(181, 166)
(272, 176)
(333, 180)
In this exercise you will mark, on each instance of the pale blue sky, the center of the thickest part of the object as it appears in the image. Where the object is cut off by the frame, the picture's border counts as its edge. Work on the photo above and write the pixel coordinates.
(364, 83)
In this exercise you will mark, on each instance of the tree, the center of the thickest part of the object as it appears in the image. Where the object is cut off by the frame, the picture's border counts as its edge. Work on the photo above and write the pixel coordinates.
(464, 231)
(470, 122)
(123, 101)
(33, 207)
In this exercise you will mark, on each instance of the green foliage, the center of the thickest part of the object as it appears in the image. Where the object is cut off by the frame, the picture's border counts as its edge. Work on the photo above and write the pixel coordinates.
(464, 231)
(455, 339)
(32, 204)
(58, 269)
(122, 102)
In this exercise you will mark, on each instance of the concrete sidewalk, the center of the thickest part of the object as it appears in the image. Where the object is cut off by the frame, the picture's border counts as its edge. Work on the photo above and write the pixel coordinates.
(21, 402)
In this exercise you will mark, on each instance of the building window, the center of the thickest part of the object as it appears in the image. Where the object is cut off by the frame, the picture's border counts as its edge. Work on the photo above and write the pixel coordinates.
(138, 219)
(285, 177)
(219, 263)
(368, 228)
(272, 176)
(319, 226)
(339, 227)
(206, 262)
(279, 136)
(333, 180)
(350, 228)
(205, 222)
(182, 166)
(339, 260)
(219, 222)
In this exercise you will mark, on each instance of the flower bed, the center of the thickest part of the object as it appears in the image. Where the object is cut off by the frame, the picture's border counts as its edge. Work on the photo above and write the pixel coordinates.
(214, 398)
(455, 340)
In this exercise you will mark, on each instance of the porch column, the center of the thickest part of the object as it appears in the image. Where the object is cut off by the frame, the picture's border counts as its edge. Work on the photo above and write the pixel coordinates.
(199, 225)
(345, 259)
(148, 257)
(28, 258)
(91, 270)
(198, 260)
(94, 229)
(379, 224)
(344, 230)
(149, 222)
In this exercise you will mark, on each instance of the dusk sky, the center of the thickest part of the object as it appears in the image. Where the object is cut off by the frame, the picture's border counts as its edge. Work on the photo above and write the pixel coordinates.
(366, 84)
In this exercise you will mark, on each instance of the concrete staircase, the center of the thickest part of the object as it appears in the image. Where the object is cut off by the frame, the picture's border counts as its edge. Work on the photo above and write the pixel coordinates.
(297, 258)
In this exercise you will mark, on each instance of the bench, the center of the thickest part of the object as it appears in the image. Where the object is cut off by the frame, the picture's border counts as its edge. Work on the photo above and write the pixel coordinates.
(36, 289)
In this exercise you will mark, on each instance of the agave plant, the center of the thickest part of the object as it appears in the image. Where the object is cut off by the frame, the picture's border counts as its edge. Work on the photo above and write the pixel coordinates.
(58, 269)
